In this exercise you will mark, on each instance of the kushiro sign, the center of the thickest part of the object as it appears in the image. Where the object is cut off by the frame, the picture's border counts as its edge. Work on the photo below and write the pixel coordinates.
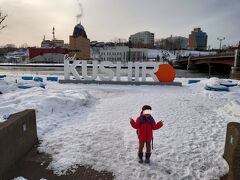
(102, 72)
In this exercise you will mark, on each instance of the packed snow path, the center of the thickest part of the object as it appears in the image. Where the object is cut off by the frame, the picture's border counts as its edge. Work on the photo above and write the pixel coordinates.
(89, 125)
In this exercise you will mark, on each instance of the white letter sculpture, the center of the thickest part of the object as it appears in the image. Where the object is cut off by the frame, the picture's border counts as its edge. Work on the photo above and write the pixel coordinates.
(106, 74)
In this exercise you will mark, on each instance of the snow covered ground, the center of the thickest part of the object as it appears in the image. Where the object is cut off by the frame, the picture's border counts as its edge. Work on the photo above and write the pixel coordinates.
(89, 125)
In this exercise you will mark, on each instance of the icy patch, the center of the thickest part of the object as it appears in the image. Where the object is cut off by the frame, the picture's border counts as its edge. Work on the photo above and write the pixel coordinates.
(7, 86)
(233, 108)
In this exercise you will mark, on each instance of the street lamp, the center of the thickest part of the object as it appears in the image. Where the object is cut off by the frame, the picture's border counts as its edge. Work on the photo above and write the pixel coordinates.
(221, 39)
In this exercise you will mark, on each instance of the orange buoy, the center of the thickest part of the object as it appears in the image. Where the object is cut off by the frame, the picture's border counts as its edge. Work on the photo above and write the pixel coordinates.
(165, 73)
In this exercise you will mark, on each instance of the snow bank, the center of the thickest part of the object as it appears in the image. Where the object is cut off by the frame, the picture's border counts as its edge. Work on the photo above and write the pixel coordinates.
(19, 178)
(6, 86)
(213, 81)
(52, 105)
(220, 83)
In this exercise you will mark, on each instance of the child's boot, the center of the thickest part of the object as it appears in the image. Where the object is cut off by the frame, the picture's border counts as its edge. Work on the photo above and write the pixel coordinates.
(148, 155)
(140, 156)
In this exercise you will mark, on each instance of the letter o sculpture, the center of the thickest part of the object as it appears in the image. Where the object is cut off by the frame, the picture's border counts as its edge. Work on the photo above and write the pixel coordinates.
(165, 73)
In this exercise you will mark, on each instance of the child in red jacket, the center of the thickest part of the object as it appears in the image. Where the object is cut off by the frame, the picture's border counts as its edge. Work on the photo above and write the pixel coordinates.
(145, 124)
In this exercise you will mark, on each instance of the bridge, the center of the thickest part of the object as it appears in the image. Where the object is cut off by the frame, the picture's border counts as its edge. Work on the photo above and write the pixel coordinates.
(226, 59)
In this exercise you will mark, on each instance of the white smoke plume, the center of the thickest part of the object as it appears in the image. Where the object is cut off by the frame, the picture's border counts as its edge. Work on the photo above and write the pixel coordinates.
(80, 14)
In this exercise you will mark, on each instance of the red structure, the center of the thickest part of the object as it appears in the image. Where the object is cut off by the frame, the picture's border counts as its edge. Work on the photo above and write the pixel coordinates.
(34, 52)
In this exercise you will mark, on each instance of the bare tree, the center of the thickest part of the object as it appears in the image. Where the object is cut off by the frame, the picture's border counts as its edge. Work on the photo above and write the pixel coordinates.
(119, 41)
(24, 46)
(10, 46)
(2, 18)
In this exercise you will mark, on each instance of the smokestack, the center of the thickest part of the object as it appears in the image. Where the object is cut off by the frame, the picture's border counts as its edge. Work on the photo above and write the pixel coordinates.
(80, 14)
(53, 32)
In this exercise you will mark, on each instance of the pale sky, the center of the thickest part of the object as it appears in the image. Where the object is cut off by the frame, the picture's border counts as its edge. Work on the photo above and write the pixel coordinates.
(29, 20)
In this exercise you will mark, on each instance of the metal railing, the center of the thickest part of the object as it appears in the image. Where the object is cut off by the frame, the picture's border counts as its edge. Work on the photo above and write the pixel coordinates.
(226, 54)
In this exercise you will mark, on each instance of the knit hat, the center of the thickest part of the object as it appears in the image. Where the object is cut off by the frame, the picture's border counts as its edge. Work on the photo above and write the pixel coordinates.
(146, 107)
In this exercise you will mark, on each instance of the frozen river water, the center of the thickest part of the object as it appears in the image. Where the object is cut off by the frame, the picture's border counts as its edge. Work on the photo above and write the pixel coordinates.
(60, 71)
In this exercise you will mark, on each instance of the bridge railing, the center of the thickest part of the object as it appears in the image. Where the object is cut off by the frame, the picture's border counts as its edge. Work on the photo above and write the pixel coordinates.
(207, 56)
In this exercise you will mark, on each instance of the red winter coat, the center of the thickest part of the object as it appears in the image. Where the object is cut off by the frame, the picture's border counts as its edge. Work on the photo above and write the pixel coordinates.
(145, 128)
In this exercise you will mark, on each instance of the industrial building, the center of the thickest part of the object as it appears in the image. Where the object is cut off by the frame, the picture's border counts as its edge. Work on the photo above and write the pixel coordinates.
(79, 43)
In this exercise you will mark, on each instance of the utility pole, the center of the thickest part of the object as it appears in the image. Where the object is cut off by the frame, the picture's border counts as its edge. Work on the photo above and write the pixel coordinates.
(129, 52)
(221, 39)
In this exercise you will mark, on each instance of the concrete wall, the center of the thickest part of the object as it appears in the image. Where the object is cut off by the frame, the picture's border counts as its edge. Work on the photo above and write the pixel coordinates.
(232, 150)
(235, 73)
(17, 136)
